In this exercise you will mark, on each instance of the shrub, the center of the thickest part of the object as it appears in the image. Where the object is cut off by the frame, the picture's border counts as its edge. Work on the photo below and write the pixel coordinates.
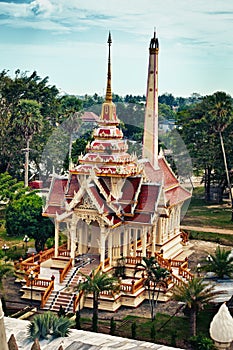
(112, 326)
(77, 320)
(199, 342)
(133, 330)
(152, 332)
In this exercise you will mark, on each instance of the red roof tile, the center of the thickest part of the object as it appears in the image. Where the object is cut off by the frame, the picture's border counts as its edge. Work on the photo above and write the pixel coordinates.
(101, 201)
(104, 185)
(89, 117)
(52, 210)
(57, 193)
(73, 185)
(148, 198)
(170, 179)
(130, 188)
(141, 218)
(177, 195)
(164, 173)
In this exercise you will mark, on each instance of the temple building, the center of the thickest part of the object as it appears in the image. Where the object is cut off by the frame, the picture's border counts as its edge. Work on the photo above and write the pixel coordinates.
(116, 209)
(111, 199)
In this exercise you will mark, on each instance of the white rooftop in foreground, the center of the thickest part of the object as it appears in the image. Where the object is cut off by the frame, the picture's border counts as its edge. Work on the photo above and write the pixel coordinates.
(77, 340)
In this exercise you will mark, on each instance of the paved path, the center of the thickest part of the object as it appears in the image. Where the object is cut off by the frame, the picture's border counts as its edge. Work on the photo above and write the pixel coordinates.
(208, 229)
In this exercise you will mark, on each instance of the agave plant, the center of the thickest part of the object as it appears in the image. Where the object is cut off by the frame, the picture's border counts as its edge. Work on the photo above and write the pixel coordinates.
(48, 325)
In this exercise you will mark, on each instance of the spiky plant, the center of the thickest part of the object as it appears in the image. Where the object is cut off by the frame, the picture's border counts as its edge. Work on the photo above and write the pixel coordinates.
(61, 328)
(48, 325)
(221, 263)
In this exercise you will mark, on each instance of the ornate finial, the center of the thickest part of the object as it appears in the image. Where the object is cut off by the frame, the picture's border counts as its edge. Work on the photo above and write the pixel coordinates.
(109, 89)
(154, 43)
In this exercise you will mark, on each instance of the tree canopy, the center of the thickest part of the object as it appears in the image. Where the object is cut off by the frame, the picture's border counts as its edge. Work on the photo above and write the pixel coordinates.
(24, 216)
(199, 126)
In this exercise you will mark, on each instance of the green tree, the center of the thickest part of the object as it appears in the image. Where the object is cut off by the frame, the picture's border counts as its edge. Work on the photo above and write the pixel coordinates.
(221, 263)
(155, 280)
(48, 325)
(6, 269)
(12, 90)
(201, 126)
(24, 216)
(221, 116)
(9, 187)
(195, 294)
(95, 284)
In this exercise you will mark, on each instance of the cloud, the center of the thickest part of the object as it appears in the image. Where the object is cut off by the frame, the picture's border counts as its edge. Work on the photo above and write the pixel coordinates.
(43, 8)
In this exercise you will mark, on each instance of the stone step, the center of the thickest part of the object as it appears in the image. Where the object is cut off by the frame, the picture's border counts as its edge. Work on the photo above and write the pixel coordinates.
(65, 300)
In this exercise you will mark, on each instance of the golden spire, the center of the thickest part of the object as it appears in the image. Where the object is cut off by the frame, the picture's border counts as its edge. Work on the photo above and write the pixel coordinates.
(109, 89)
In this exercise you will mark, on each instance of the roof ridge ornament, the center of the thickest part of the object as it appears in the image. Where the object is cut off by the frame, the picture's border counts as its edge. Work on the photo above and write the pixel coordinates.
(109, 88)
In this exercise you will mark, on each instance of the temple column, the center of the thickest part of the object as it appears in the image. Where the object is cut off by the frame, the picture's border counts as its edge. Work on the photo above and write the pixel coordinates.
(143, 238)
(118, 249)
(159, 231)
(127, 233)
(73, 239)
(56, 238)
(68, 235)
(153, 238)
(110, 247)
(125, 242)
(84, 239)
(102, 245)
(135, 241)
(80, 241)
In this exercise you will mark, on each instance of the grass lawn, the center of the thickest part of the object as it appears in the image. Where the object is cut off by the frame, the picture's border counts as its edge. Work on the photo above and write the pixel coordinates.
(17, 247)
(171, 331)
(213, 216)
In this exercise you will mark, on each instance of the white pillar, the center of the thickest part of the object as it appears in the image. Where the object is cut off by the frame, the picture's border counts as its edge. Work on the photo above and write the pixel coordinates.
(102, 245)
(68, 235)
(110, 247)
(135, 240)
(80, 241)
(143, 238)
(3, 341)
(125, 242)
(73, 239)
(153, 237)
(56, 238)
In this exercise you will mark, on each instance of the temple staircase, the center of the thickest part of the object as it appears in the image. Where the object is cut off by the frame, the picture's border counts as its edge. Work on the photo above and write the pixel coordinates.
(64, 296)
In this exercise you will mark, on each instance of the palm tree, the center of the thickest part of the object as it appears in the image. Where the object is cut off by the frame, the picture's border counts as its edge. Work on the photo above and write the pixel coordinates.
(29, 122)
(195, 294)
(155, 280)
(221, 116)
(221, 263)
(95, 284)
(47, 325)
(71, 125)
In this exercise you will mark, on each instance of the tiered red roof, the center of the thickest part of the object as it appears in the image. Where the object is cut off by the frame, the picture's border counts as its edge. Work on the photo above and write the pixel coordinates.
(148, 198)
(56, 200)
(73, 186)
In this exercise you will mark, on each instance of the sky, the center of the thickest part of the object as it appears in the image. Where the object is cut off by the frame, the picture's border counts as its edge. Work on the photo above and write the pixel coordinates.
(66, 40)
